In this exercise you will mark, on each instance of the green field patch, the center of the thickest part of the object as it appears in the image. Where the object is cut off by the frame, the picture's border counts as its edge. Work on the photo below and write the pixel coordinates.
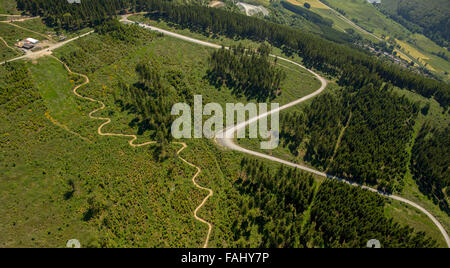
(12, 34)
(416, 219)
(8, 7)
(55, 86)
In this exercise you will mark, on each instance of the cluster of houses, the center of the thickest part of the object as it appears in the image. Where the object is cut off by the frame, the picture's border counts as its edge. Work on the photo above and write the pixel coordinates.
(27, 44)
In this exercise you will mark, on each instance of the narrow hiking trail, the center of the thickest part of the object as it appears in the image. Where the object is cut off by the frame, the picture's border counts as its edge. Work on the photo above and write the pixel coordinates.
(133, 138)
(210, 193)
(225, 136)
(224, 141)
(26, 29)
(6, 44)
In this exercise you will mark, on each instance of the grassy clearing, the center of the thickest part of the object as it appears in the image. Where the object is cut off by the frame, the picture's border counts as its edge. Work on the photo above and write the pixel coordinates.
(216, 39)
(44, 161)
(142, 202)
(436, 118)
(368, 17)
(338, 23)
(55, 84)
(8, 7)
(313, 3)
(159, 197)
(415, 218)
(7, 52)
(12, 34)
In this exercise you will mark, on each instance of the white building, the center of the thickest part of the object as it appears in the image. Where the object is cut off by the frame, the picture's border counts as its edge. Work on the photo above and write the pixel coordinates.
(32, 40)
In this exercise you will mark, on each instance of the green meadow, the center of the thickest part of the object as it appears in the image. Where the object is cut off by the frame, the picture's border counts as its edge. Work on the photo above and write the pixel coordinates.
(63, 181)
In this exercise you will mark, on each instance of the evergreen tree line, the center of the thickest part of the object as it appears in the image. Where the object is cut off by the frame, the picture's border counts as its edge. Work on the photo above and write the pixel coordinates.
(274, 206)
(151, 99)
(317, 52)
(64, 15)
(374, 125)
(246, 71)
(348, 217)
(315, 129)
(430, 164)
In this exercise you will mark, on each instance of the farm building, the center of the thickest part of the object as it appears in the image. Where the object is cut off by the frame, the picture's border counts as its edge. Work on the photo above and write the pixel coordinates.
(32, 41)
(28, 46)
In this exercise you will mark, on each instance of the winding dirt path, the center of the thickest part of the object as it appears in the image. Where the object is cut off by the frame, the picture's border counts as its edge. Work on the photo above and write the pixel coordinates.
(225, 137)
(226, 141)
(6, 44)
(210, 193)
(26, 29)
(133, 138)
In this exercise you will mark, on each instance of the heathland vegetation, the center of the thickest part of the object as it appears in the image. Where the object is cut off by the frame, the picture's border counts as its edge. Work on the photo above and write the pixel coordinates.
(91, 190)
(113, 195)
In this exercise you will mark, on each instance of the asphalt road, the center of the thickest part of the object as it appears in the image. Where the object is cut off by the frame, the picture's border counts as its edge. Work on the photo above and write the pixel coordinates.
(226, 137)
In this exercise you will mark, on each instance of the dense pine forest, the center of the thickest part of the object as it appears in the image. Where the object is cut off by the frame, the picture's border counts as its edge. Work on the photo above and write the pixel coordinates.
(247, 72)
(274, 206)
(375, 124)
(373, 147)
(151, 99)
(61, 14)
(345, 216)
(316, 52)
(430, 164)
(318, 126)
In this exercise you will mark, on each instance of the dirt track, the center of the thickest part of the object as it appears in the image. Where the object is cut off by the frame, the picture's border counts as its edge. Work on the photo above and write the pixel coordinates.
(133, 138)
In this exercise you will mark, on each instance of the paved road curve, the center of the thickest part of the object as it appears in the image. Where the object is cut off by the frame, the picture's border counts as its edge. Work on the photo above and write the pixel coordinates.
(226, 137)
(228, 134)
